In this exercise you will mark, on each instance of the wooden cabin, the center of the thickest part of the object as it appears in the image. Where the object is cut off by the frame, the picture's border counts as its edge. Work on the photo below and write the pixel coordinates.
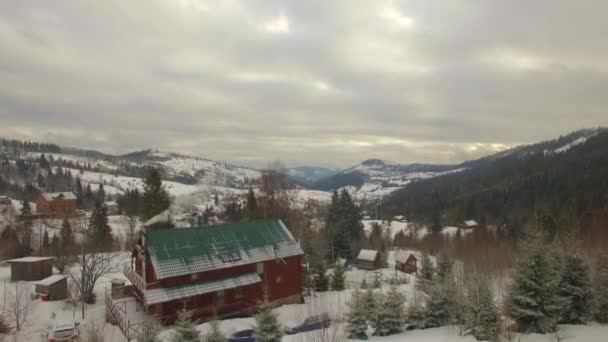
(31, 268)
(222, 270)
(406, 262)
(369, 259)
(55, 287)
(57, 205)
(111, 207)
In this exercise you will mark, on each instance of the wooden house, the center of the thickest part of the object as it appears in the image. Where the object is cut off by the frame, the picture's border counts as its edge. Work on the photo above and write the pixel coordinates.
(4, 200)
(221, 270)
(369, 259)
(31, 268)
(406, 262)
(111, 207)
(56, 204)
(469, 224)
(55, 287)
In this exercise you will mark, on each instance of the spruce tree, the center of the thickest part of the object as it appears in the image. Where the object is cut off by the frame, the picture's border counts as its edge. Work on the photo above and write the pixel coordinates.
(79, 192)
(67, 237)
(445, 267)
(267, 327)
(575, 291)
(482, 319)
(100, 233)
(536, 304)
(46, 244)
(363, 285)
(337, 278)
(601, 290)
(321, 282)
(215, 333)
(26, 210)
(155, 197)
(391, 315)
(356, 317)
(370, 301)
(252, 204)
(377, 281)
(438, 306)
(101, 194)
(184, 328)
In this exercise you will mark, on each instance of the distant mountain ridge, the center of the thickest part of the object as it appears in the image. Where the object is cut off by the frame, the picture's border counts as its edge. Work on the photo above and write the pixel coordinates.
(558, 177)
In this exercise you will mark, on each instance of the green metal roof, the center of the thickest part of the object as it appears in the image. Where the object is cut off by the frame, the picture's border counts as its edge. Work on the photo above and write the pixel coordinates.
(162, 295)
(189, 250)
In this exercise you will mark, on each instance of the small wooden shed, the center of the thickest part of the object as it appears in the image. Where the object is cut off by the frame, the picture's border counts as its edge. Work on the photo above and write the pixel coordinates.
(406, 262)
(31, 268)
(55, 286)
(369, 259)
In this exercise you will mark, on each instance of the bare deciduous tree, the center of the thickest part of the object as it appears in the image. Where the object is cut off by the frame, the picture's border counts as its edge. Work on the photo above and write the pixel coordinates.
(17, 308)
(93, 265)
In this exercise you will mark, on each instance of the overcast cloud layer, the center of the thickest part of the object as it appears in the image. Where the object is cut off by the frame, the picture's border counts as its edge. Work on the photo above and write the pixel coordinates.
(308, 82)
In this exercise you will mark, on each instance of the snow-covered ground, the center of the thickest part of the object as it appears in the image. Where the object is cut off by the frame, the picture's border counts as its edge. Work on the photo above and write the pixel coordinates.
(392, 228)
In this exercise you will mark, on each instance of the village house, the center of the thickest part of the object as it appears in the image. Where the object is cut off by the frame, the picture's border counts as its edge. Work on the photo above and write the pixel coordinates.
(406, 262)
(56, 204)
(31, 268)
(369, 259)
(4, 200)
(399, 218)
(111, 207)
(469, 224)
(216, 271)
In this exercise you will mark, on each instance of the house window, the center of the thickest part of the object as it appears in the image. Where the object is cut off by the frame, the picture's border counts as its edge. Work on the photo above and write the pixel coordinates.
(279, 279)
(260, 268)
(219, 298)
(238, 293)
(194, 276)
(236, 256)
(225, 257)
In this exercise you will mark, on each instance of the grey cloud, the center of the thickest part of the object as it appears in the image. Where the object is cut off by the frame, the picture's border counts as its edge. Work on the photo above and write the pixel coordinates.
(408, 81)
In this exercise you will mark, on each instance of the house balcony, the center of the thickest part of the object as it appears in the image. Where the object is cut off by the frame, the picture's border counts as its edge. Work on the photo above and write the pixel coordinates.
(135, 278)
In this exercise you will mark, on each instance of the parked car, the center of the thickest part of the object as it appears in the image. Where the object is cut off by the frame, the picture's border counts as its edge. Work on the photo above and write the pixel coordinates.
(242, 336)
(311, 323)
(65, 332)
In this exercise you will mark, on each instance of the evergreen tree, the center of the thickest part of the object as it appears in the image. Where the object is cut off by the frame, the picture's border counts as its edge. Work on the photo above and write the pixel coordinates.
(575, 291)
(184, 328)
(427, 272)
(445, 267)
(337, 279)
(26, 210)
(79, 192)
(483, 319)
(391, 315)
(89, 198)
(356, 317)
(536, 304)
(321, 282)
(149, 331)
(216, 200)
(377, 281)
(155, 197)
(100, 232)
(363, 285)
(101, 194)
(252, 204)
(343, 225)
(601, 290)
(438, 306)
(46, 244)
(370, 301)
(215, 333)
(267, 327)
(67, 237)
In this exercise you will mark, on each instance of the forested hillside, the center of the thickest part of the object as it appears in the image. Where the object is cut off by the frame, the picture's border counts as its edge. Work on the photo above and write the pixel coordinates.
(558, 181)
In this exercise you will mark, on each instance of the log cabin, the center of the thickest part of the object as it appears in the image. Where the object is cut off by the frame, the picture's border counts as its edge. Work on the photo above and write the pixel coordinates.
(216, 271)
(406, 262)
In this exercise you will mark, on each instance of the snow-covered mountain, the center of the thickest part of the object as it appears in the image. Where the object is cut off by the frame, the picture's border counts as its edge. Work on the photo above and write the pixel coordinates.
(375, 178)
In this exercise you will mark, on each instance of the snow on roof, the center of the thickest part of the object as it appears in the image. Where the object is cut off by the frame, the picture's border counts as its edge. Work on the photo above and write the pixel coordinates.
(51, 280)
(30, 259)
(367, 255)
(402, 256)
(110, 203)
(49, 196)
(471, 223)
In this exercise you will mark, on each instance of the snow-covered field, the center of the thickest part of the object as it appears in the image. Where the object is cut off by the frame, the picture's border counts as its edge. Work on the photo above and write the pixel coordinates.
(392, 228)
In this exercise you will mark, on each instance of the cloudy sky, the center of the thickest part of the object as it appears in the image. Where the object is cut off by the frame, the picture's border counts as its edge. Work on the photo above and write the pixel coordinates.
(309, 82)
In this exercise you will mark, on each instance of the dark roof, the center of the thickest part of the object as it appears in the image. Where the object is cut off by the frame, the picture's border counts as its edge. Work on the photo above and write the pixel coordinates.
(176, 252)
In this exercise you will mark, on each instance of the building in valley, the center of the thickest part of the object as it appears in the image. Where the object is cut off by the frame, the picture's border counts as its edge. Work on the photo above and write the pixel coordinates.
(369, 259)
(216, 271)
(406, 262)
(56, 204)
